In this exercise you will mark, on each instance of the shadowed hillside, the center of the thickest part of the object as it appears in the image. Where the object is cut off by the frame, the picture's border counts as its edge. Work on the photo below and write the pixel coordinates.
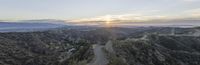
(107, 46)
(159, 50)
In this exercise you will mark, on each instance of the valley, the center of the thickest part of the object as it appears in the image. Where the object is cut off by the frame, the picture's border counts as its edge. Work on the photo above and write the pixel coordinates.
(101, 46)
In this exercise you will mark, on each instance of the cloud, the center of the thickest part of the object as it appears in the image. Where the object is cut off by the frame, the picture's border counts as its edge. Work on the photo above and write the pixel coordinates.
(132, 14)
(193, 12)
(125, 18)
(183, 0)
(142, 17)
(190, 0)
(120, 19)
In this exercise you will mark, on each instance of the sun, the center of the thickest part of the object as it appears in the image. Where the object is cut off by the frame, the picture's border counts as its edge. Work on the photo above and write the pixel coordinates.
(108, 20)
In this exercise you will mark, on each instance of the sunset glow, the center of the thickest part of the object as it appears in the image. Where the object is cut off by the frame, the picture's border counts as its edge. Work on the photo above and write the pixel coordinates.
(108, 20)
(100, 12)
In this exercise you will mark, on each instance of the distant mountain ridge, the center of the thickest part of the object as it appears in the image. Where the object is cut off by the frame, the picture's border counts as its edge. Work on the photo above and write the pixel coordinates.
(52, 21)
(29, 25)
(44, 24)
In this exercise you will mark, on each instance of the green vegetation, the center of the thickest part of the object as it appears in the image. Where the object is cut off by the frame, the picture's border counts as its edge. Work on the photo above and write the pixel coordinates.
(42, 48)
(75, 62)
(116, 61)
(159, 50)
(73, 47)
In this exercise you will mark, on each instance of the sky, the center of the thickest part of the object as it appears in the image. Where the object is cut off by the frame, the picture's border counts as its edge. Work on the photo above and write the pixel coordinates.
(99, 10)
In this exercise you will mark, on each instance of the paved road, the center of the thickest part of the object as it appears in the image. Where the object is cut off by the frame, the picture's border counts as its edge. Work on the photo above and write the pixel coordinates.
(100, 57)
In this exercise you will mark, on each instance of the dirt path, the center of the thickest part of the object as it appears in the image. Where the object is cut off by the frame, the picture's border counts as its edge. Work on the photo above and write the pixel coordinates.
(100, 57)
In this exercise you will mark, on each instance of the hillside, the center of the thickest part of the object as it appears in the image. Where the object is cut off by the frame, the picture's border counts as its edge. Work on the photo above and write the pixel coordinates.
(42, 48)
(27, 26)
(105, 46)
(159, 50)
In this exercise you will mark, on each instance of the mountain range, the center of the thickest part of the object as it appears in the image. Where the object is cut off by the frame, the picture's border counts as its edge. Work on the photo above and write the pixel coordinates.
(46, 24)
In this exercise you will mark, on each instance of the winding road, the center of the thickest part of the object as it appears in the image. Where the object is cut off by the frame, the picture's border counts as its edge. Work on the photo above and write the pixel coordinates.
(100, 57)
